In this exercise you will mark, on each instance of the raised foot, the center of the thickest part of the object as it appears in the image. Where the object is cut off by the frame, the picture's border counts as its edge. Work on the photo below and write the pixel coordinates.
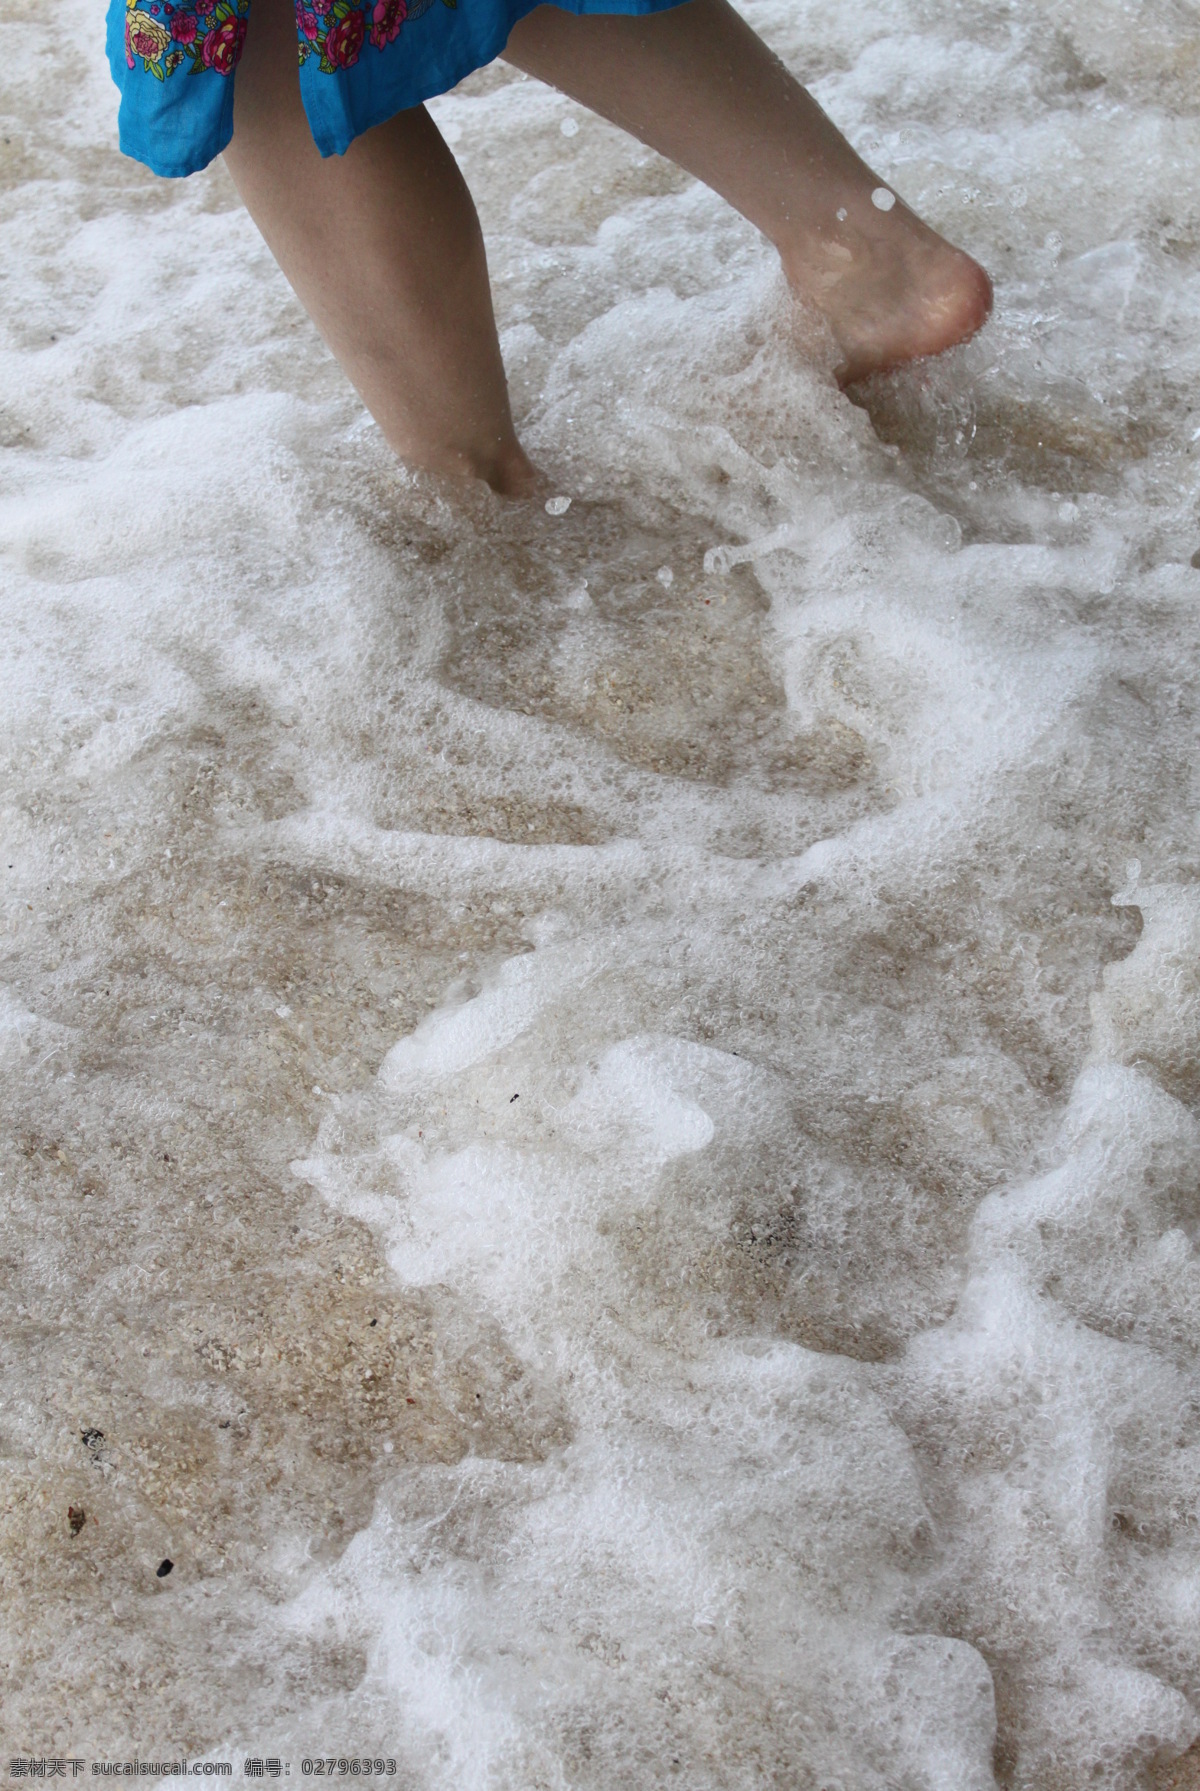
(891, 289)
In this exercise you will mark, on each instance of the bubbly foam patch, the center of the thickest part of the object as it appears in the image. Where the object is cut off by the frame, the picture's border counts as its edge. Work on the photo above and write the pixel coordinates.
(598, 1098)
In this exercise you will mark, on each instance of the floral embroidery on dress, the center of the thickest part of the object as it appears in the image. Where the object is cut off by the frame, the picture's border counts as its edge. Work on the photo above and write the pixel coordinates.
(335, 33)
(209, 34)
(206, 34)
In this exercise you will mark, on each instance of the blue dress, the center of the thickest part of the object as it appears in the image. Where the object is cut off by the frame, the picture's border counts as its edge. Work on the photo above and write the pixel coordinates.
(361, 61)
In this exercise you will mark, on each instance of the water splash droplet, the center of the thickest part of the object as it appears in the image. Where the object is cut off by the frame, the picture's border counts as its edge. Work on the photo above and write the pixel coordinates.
(882, 199)
(557, 506)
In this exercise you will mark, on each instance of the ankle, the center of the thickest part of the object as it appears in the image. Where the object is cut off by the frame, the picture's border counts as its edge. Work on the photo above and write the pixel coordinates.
(504, 466)
(510, 472)
(851, 235)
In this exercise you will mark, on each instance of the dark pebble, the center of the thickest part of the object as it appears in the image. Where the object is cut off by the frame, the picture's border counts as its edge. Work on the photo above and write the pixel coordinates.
(163, 1569)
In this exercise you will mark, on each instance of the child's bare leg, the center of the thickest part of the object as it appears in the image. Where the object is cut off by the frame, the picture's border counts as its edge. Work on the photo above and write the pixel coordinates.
(697, 84)
(384, 249)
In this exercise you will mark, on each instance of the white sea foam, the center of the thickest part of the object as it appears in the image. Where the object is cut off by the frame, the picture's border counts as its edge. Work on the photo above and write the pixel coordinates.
(599, 1108)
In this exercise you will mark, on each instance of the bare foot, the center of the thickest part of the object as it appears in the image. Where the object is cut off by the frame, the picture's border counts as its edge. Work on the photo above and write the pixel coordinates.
(513, 475)
(506, 467)
(891, 289)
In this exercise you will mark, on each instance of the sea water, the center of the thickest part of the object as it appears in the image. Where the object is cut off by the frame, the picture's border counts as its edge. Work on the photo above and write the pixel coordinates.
(599, 1137)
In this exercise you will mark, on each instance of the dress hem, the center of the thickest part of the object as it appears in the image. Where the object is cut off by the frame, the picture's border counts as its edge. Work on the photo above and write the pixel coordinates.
(334, 138)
